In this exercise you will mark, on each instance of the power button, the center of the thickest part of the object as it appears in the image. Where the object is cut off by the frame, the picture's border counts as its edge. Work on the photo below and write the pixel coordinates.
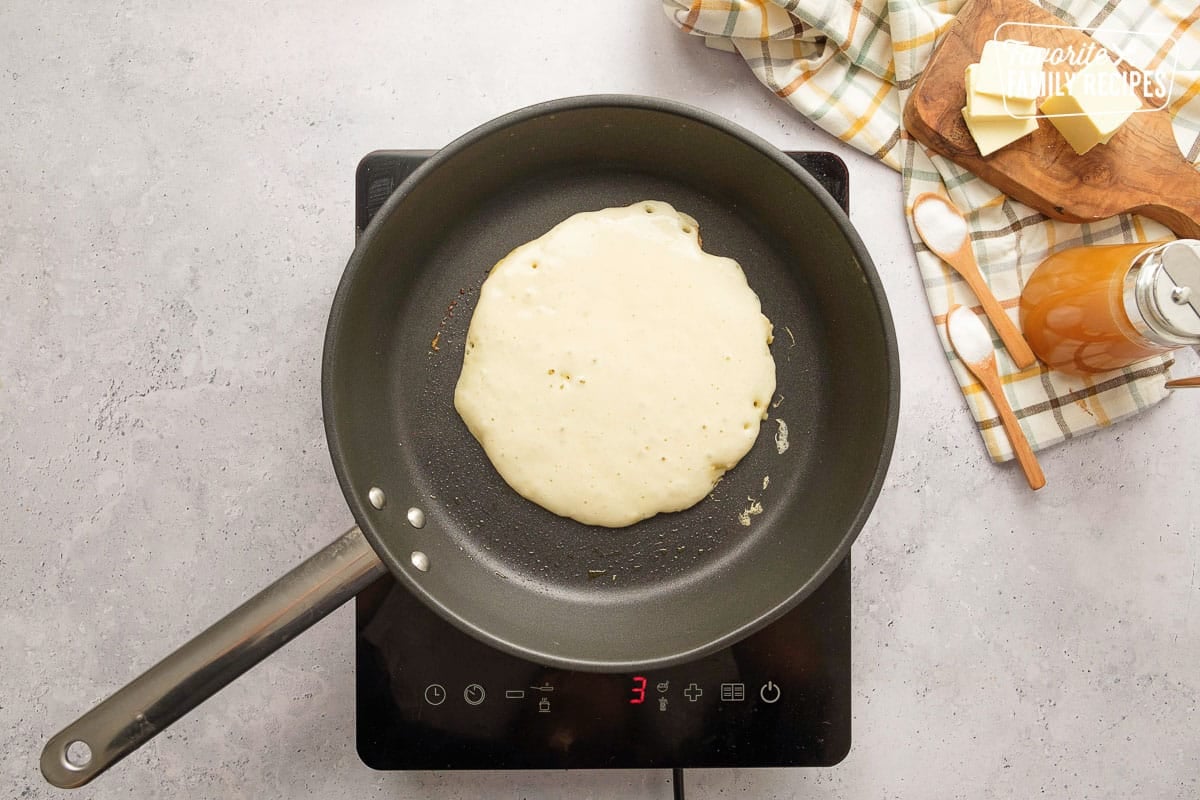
(769, 692)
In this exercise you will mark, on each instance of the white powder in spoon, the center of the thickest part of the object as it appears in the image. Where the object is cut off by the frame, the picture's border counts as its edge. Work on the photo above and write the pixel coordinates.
(968, 335)
(941, 226)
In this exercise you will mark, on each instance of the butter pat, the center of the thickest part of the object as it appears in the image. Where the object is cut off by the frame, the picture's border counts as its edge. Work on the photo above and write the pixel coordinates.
(991, 107)
(1010, 69)
(992, 134)
(1093, 105)
(1002, 93)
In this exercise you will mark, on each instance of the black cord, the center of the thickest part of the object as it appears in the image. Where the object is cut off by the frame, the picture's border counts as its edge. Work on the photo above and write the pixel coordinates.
(677, 782)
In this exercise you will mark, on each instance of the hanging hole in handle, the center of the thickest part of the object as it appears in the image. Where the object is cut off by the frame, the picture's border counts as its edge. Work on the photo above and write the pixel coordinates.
(77, 755)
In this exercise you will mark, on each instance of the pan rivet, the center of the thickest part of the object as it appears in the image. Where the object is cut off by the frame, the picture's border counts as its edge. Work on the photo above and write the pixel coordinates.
(377, 497)
(416, 517)
(420, 561)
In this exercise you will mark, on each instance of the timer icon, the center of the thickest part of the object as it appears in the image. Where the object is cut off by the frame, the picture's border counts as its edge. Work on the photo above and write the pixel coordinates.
(474, 694)
(435, 694)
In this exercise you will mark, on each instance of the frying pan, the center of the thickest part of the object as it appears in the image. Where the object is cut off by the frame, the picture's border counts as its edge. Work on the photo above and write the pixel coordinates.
(432, 511)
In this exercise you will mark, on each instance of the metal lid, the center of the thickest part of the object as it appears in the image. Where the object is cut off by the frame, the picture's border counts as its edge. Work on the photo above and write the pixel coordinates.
(1167, 292)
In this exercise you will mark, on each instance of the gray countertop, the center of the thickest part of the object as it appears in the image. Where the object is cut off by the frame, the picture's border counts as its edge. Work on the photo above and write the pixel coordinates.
(175, 212)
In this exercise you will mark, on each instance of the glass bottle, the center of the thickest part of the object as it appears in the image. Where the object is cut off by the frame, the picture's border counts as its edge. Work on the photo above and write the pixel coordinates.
(1096, 308)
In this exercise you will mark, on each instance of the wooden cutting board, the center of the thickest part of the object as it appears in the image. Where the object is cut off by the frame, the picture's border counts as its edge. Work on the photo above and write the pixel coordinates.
(1139, 170)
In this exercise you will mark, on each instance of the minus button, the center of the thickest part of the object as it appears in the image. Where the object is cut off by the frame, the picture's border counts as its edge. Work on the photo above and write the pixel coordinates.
(514, 694)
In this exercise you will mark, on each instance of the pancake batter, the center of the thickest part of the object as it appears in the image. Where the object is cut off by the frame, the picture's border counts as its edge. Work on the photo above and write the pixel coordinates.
(613, 369)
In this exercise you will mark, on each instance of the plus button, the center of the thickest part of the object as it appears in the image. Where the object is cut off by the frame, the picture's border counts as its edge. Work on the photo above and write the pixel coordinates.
(692, 692)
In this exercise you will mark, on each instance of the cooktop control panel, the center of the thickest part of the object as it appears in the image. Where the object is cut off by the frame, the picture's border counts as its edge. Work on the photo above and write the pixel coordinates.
(430, 697)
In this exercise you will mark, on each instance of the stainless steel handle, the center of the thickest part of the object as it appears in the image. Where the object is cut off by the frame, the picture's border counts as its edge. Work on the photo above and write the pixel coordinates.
(202, 667)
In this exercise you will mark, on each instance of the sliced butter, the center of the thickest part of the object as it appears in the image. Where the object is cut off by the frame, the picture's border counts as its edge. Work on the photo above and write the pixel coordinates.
(1093, 105)
(1010, 69)
(991, 107)
(992, 134)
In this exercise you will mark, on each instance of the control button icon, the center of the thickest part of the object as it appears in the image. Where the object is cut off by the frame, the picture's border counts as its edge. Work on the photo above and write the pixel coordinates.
(692, 692)
(733, 692)
(514, 694)
(769, 692)
(544, 705)
(545, 687)
(663, 686)
(435, 694)
(662, 704)
(474, 694)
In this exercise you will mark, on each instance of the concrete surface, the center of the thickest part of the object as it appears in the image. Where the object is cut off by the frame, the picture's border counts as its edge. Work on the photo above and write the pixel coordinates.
(175, 211)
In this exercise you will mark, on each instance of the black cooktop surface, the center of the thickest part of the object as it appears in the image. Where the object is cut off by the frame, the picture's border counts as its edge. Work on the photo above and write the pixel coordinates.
(431, 697)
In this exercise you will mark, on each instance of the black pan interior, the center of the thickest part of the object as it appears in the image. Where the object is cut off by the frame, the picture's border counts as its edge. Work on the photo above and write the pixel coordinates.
(547, 588)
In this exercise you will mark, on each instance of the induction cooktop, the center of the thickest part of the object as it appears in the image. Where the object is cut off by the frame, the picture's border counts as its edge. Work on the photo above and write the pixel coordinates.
(430, 697)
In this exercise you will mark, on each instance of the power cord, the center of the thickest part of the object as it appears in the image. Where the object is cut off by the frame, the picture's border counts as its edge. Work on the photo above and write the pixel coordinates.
(677, 782)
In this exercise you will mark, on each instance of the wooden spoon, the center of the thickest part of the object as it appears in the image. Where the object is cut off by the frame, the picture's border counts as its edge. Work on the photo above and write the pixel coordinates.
(971, 342)
(939, 227)
(1186, 383)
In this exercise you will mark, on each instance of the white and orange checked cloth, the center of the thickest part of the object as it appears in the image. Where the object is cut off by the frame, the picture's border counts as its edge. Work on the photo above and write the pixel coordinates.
(848, 65)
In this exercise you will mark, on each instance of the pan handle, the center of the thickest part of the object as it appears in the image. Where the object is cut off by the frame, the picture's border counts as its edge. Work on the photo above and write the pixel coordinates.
(202, 667)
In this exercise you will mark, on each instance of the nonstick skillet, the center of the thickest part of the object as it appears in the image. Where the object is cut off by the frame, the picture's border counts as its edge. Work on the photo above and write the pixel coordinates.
(430, 508)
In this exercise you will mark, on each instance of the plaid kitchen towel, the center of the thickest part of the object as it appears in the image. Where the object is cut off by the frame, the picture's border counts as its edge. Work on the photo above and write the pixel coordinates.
(849, 65)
